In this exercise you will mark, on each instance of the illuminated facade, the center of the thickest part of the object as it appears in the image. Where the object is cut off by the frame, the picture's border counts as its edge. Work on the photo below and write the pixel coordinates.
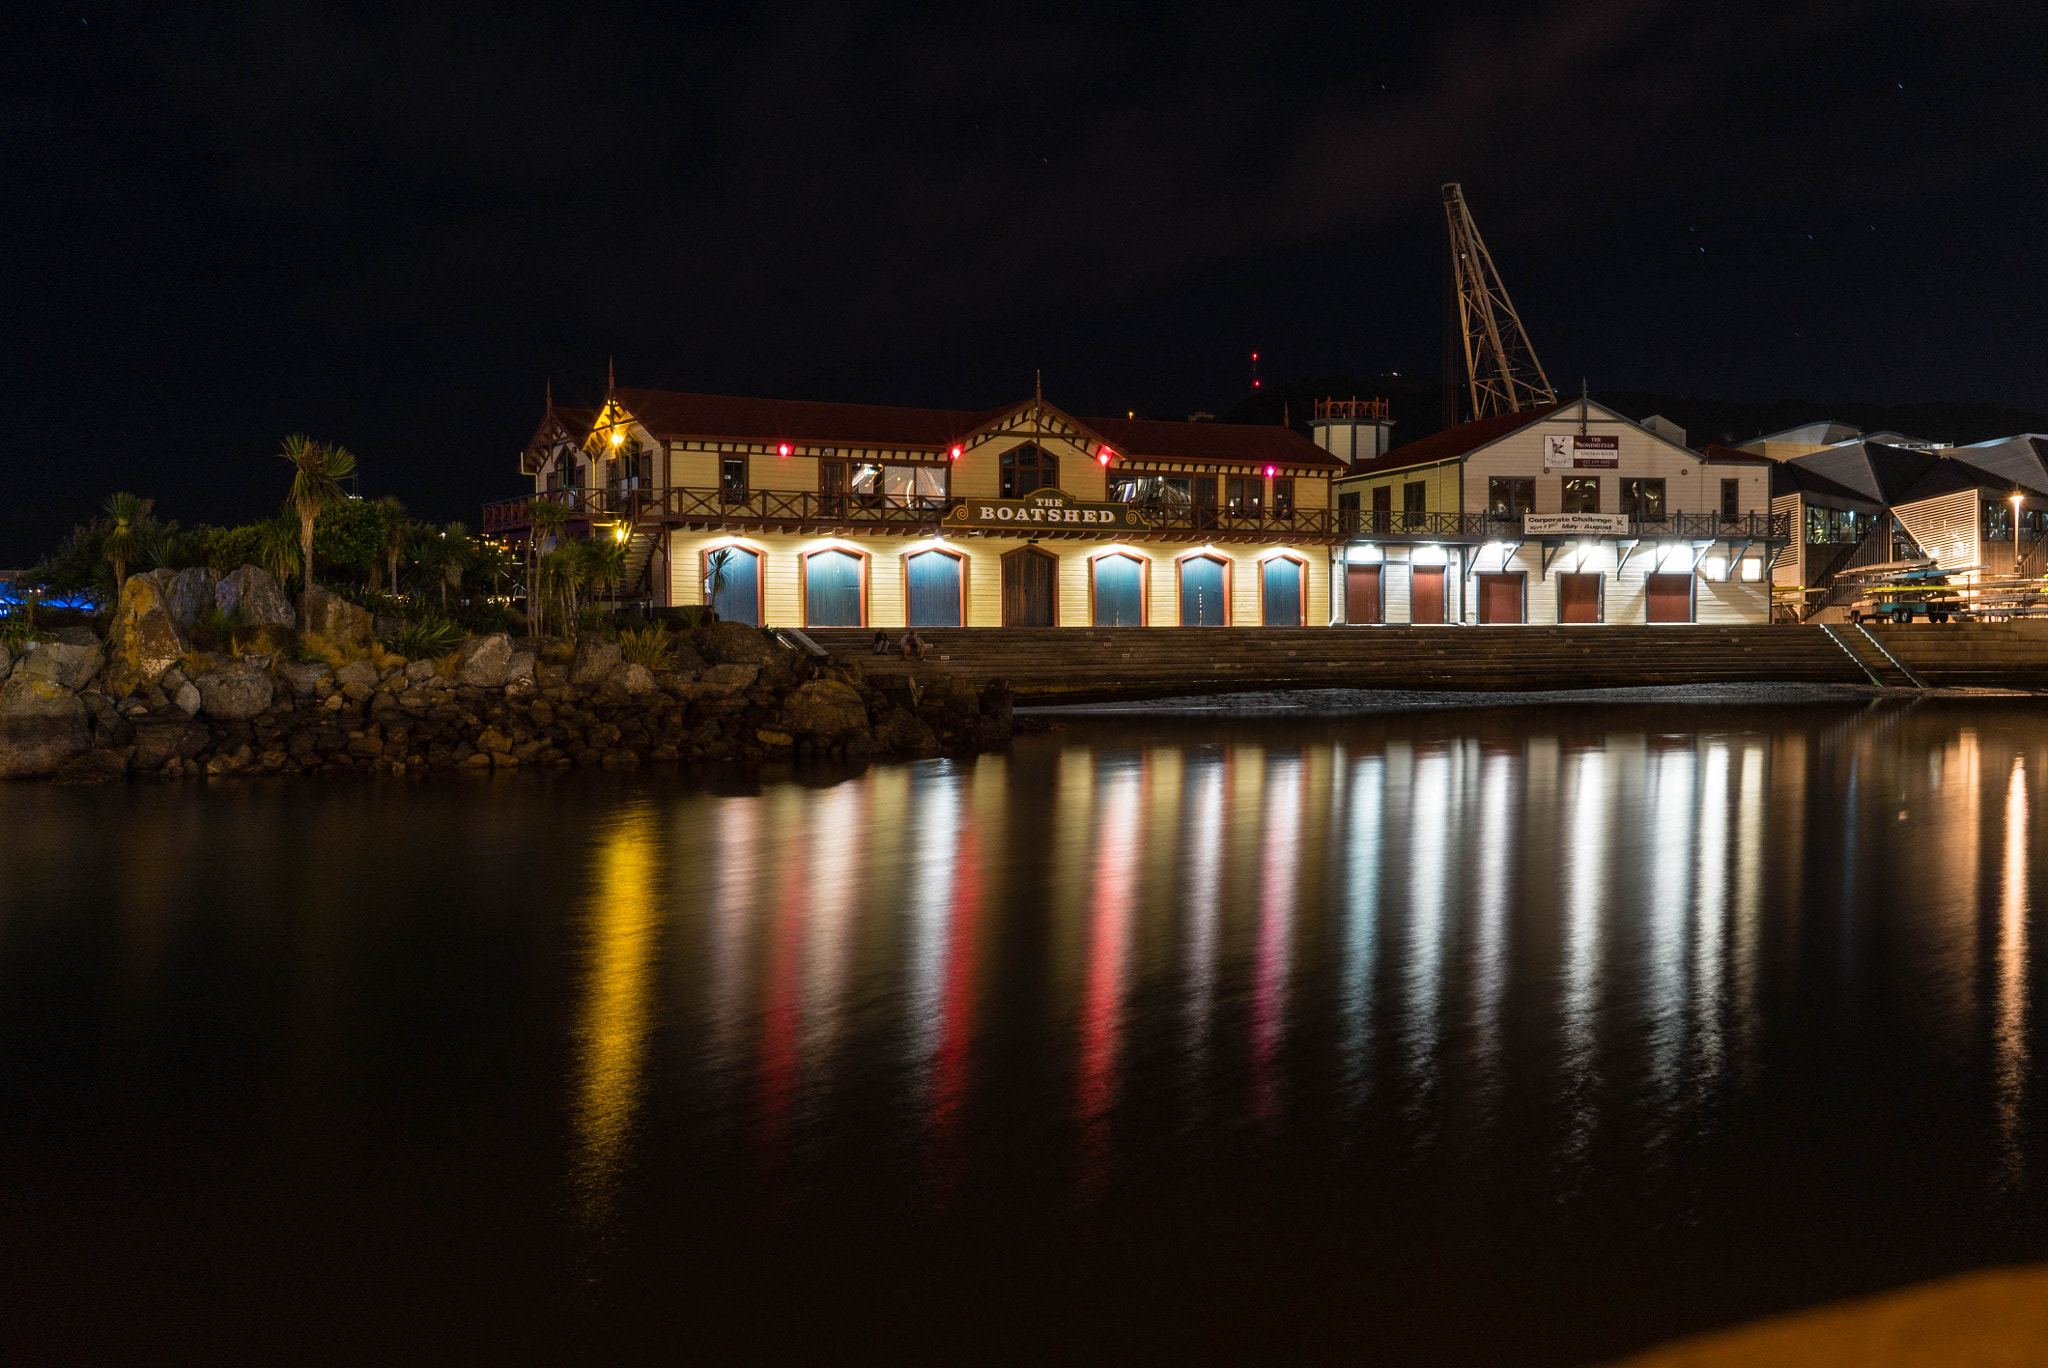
(845, 515)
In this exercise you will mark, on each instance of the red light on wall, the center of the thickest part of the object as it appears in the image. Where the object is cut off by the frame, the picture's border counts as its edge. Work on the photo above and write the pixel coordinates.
(1271, 471)
(1104, 455)
(783, 450)
(956, 453)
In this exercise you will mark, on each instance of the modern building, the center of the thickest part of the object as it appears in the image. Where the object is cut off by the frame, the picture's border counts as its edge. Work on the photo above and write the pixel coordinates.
(802, 514)
(1567, 513)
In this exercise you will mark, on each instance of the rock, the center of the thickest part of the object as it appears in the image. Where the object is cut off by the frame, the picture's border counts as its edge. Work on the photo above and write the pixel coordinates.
(595, 659)
(252, 592)
(903, 730)
(481, 662)
(159, 740)
(735, 643)
(548, 675)
(6, 660)
(303, 677)
(191, 594)
(419, 671)
(101, 765)
(631, 679)
(824, 708)
(63, 663)
(335, 620)
(358, 672)
(519, 669)
(42, 724)
(144, 639)
(775, 740)
(237, 691)
(493, 740)
(187, 698)
(997, 703)
(722, 680)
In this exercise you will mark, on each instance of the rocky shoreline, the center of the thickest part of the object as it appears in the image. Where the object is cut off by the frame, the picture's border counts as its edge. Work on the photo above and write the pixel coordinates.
(142, 702)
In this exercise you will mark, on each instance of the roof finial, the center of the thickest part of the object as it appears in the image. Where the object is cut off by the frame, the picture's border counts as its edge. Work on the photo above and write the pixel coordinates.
(551, 394)
(1038, 385)
(611, 379)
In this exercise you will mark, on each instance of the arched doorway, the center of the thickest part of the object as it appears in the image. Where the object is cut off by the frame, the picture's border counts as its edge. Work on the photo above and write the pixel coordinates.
(1119, 590)
(833, 590)
(732, 584)
(1280, 592)
(932, 588)
(1030, 583)
(1204, 601)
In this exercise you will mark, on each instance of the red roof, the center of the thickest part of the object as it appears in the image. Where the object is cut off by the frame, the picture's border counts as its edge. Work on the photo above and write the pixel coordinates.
(1717, 454)
(1147, 439)
(668, 413)
(1454, 442)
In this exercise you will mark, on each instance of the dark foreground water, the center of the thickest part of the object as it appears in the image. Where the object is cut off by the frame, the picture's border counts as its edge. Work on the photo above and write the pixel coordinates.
(1494, 1036)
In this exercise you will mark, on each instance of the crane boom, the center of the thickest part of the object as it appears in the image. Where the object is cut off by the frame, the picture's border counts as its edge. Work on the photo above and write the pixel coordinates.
(1501, 368)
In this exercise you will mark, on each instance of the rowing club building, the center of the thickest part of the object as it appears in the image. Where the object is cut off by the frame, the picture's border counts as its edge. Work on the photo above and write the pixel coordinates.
(848, 515)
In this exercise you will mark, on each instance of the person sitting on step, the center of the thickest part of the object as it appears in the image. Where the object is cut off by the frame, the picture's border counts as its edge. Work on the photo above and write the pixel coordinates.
(881, 642)
(914, 646)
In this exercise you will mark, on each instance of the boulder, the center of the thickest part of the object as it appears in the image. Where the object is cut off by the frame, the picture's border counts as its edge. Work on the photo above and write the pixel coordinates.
(997, 703)
(735, 643)
(482, 661)
(303, 677)
(360, 673)
(42, 724)
(419, 671)
(633, 679)
(78, 636)
(903, 730)
(191, 594)
(66, 665)
(144, 640)
(335, 620)
(254, 594)
(187, 699)
(519, 669)
(162, 739)
(595, 659)
(235, 691)
(100, 765)
(722, 680)
(824, 708)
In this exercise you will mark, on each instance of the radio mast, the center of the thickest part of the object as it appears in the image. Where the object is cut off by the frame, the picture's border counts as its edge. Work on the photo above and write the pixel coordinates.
(1501, 368)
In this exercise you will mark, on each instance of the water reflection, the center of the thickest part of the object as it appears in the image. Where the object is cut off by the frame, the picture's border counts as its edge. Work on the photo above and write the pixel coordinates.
(2010, 1036)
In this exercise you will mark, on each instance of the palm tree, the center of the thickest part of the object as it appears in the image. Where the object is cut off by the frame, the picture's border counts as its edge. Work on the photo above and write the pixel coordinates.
(317, 472)
(604, 562)
(395, 531)
(278, 548)
(559, 572)
(457, 552)
(547, 517)
(122, 541)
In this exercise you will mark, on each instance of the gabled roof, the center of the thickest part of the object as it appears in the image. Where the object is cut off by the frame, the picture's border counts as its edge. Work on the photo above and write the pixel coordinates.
(2023, 459)
(1455, 442)
(1877, 472)
(1826, 432)
(1950, 475)
(1790, 477)
(1148, 439)
(574, 424)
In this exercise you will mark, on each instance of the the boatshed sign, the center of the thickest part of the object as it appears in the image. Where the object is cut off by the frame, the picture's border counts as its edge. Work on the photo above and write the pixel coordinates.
(1575, 524)
(1044, 510)
(1564, 451)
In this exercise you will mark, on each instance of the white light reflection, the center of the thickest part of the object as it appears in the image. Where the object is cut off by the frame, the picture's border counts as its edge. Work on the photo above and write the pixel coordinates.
(1361, 920)
(932, 860)
(1277, 887)
(1114, 891)
(1671, 860)
(1584, 881)
(1710, 927)
(2010, 1037)
(1202, 892)
(1429, 810)
(838, 869)
(1749, 901)
(735, 865)
(1495, 844)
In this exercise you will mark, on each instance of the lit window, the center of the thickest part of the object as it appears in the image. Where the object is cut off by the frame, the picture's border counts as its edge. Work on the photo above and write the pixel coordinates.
(1752, 570)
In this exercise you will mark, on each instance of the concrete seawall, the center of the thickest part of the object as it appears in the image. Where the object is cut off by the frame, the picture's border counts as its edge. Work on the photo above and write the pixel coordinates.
(1083, 664)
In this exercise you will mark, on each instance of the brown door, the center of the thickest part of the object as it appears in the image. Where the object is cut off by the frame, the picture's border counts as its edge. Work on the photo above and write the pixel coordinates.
(1500, 598)
(1670, 598)
(1027, 589)
(1362, 593)
(1578, 598)
(1426, 594)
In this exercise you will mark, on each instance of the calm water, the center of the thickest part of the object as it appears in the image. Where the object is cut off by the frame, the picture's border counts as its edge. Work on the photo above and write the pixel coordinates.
(1467, 1037)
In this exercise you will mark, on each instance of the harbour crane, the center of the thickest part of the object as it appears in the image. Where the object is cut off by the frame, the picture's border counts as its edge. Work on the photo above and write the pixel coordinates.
(1501, 369)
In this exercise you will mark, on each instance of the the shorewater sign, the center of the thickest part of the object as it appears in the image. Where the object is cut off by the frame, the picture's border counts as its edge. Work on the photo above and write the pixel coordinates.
(1575, 524)
(1563, 451)
(1046, 508)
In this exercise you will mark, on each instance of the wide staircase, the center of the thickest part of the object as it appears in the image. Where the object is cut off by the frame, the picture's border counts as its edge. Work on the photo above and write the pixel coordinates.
(1089, 664)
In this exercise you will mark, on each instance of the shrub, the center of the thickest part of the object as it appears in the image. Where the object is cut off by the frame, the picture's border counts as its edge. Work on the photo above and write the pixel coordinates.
(648, 646)
(214, 630)
(693, 616)
(432, 637)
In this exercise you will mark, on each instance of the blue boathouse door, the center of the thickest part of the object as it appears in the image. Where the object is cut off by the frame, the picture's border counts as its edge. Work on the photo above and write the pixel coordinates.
(934, 584)
(1119, 591)
(736, 597)
(1201, 592)
(1280, 581)
(832, 590)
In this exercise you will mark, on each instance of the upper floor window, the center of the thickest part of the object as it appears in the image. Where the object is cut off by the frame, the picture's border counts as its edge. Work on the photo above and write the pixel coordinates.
(1643, 499)
(1581, 494)
(1997, 520)
(1243, 495)
(1510, 496)
(1027, 469)
(1283, 497)
(732, 479)
(1731, 499)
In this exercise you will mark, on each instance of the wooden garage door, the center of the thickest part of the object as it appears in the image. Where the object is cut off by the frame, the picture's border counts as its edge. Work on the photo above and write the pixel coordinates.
(1500, 598)
(932, 584)
(1362, 593)
(1670, 598)
(1280, 593)
(1426, 594)
(1119, 591)
(1027, 589)
(1201, 592)
(1578, 598)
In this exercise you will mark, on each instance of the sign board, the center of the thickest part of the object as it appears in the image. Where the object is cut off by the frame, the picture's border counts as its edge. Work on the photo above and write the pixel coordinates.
(1575, 524)
(1044, 509)
(1564, 451)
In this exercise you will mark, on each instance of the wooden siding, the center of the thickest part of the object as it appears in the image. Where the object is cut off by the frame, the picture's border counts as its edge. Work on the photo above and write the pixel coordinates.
(1945, 527)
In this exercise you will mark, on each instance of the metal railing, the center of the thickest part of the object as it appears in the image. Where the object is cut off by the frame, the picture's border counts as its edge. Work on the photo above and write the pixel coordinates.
(1508, 527)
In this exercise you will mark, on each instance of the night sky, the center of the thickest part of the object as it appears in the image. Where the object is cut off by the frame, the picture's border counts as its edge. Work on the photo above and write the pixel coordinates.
(389, 224)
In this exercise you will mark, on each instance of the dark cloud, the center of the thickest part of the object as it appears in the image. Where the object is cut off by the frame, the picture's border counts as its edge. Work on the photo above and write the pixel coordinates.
(391, 221)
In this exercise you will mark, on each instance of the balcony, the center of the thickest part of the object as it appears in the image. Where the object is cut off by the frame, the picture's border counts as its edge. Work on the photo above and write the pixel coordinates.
(1478, 528)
